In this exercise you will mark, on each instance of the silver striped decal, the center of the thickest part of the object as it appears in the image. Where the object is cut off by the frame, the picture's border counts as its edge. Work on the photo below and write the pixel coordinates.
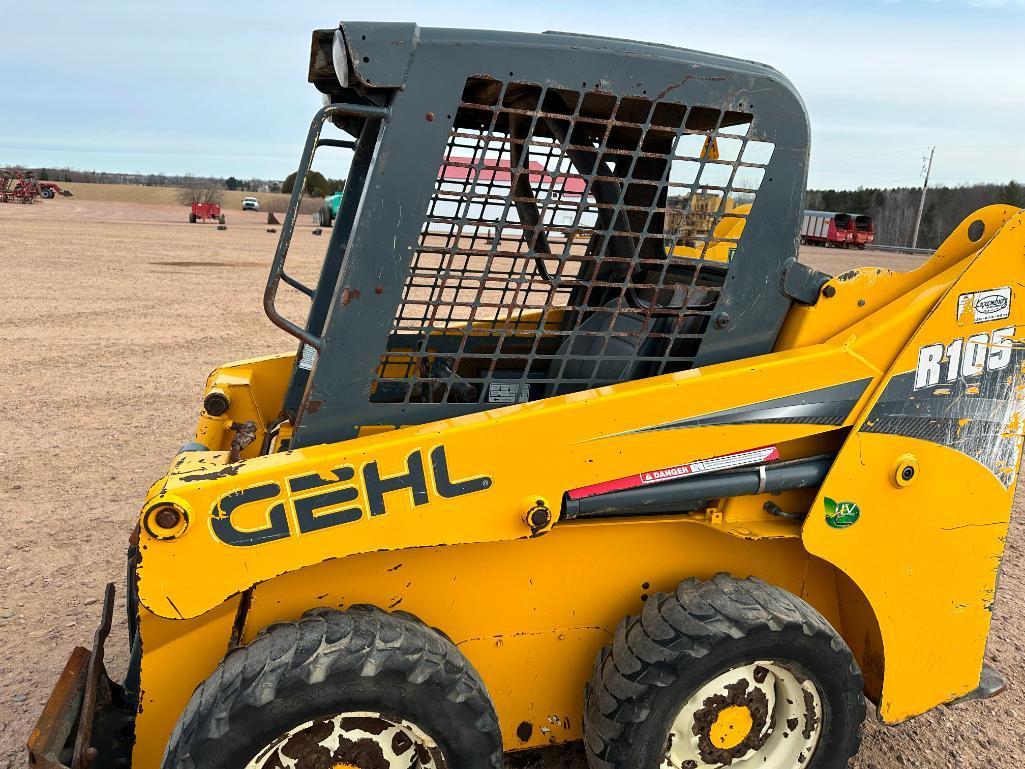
(826, 406)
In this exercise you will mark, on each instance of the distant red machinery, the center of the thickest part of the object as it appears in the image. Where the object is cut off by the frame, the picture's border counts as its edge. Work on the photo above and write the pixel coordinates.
(51, 190)
(17, 186)
(825, 228)
(202, 211)
(864, 231)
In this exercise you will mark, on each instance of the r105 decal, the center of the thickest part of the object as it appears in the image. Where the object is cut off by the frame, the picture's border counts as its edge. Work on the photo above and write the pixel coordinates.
(965, 357)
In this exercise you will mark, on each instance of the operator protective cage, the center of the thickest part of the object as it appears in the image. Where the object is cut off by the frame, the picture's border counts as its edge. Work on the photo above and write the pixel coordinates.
(530, 215)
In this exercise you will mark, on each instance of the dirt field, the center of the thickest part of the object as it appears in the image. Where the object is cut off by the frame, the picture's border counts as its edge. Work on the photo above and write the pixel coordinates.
(111, 316)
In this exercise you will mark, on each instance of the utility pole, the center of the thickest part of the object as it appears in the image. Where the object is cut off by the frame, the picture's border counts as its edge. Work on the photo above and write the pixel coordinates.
(921, 201)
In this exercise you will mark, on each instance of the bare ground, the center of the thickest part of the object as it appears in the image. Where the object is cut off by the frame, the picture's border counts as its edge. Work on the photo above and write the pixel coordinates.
(111, 316)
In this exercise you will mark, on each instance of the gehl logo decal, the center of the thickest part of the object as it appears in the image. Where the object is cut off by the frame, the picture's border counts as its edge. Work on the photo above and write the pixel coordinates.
(321, 503)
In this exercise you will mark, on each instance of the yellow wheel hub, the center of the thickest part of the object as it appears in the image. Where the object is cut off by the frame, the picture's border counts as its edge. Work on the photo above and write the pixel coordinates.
(731, 726)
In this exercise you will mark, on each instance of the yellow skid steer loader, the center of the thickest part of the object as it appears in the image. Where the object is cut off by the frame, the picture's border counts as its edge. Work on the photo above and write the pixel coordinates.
(538, 473)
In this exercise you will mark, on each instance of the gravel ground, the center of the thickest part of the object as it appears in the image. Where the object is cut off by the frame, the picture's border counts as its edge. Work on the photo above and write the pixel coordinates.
(111, 316)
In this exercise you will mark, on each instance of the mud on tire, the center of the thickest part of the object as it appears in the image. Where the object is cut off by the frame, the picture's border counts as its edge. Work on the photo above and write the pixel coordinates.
(682, 641)
(331, 662)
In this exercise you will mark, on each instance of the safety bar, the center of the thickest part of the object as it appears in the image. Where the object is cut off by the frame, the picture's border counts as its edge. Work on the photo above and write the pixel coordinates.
(296, 284)
(277, 270)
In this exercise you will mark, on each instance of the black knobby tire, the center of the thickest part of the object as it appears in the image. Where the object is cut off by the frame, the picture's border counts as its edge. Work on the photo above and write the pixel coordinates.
(46, 192)
(192, 218)
(684, 640)
(331, 662)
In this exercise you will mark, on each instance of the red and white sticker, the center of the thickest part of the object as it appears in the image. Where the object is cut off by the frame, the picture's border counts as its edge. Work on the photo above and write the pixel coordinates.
(697, 467)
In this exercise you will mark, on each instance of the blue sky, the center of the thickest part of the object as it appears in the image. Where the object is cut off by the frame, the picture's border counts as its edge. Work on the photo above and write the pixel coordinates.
(221, 88)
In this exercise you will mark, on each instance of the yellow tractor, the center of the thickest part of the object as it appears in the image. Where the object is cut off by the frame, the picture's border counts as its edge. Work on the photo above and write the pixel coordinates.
(532, 477)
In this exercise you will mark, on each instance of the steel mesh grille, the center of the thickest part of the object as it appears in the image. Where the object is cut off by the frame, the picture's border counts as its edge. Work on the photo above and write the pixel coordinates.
(573, 240)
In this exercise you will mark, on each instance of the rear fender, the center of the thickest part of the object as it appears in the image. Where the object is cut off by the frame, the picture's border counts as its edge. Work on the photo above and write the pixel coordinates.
(916, 507)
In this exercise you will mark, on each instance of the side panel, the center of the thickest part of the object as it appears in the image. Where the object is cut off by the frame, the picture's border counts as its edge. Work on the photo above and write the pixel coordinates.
(530, 615)
(451, 482)
(916, 507)
(178, 655)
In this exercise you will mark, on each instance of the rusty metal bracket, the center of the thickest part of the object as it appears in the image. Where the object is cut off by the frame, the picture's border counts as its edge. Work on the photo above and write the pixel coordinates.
(58, 718)
(85, 754)
(73, 703)
(245, 433)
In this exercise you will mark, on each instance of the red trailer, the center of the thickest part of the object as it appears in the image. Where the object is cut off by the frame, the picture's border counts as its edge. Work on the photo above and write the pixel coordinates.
(826, 228)
(202, 211)
(864, 231)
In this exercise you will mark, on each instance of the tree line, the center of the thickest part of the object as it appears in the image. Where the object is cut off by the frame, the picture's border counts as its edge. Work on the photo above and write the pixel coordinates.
(156, 180)
(317, 184)
(894, 209)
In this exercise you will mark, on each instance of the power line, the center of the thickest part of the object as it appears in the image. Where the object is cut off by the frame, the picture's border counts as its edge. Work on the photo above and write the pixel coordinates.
(869, 157)
(905, 179)
(906, 150)
(981, 146)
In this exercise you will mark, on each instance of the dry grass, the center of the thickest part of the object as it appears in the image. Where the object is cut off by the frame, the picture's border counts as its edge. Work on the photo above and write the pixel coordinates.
(134, 193)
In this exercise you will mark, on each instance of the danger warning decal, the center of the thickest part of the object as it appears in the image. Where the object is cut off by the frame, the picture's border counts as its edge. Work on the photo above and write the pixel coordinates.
(697, 467)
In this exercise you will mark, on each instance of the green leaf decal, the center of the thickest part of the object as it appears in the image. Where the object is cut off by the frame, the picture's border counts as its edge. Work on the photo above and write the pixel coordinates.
(840, 515)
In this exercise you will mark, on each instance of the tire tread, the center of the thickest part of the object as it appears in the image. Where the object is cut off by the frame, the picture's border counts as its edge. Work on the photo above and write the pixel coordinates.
(647, 650)
(364, 639)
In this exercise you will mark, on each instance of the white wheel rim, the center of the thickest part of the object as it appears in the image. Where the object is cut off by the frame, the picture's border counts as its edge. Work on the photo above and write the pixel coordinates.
(355, 740)
(761, 715)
